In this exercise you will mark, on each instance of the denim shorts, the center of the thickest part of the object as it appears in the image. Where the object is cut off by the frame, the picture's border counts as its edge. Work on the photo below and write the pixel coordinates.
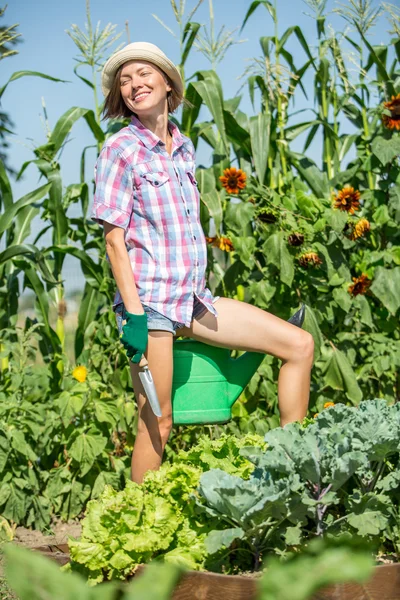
(156, 320)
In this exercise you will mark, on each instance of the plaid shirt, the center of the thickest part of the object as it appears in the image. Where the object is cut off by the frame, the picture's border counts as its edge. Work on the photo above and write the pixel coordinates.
(154, 197)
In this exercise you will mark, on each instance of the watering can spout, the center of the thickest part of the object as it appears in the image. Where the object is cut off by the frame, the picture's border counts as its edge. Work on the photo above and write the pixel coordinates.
(239, 371)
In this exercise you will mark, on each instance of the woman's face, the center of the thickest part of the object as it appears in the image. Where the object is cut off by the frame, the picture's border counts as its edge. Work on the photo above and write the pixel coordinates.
(143, 87)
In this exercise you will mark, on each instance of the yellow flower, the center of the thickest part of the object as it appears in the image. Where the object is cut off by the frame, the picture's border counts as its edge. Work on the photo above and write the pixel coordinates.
(223, 243)
(360, 285)
(347, 199)
(393, 105)
(328, 404)
(309, 258)
(359, 228)
(233, 180)
(80, 373)
(316, 415)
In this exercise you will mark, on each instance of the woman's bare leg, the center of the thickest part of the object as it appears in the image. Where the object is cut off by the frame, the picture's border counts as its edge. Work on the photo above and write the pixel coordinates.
(242, 326)
(153, 432)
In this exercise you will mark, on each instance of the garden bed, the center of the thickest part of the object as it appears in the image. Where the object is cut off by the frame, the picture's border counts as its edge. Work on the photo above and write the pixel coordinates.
(198, 585)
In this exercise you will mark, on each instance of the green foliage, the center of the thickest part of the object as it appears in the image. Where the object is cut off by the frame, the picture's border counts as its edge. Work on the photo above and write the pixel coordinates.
(339, 474)
(322, 563)
(157, 518)
(62, 441)
(296, 578)
(44, 579)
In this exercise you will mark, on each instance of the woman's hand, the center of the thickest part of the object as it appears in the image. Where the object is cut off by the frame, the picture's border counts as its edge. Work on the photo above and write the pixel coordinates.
(135, 335)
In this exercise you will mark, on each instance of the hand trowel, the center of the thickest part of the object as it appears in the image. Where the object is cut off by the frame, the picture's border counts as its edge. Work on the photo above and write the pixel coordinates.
(149, 386)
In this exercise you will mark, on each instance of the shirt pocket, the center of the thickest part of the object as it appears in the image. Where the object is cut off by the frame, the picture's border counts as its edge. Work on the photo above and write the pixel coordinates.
(156, 179)
(154, 191)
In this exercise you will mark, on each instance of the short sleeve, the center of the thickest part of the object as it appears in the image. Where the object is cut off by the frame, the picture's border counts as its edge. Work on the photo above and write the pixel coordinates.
(113, 195)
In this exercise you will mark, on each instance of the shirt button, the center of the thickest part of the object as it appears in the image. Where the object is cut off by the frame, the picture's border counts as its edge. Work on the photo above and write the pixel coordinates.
(194, 237)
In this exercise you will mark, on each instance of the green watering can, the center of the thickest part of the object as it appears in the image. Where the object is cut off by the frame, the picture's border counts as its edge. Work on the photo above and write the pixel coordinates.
(207, 380)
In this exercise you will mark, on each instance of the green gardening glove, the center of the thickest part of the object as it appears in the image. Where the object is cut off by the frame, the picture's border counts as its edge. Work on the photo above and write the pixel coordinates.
(135, 335)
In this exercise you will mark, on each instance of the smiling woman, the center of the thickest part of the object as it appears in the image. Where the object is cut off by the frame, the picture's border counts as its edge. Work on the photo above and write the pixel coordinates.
(148, 202)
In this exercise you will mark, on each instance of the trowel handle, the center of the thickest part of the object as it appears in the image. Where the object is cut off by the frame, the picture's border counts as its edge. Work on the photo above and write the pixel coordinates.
(143, 361)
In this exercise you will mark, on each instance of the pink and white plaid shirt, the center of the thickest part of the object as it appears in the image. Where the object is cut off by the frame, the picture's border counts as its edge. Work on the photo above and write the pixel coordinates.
(154, 197)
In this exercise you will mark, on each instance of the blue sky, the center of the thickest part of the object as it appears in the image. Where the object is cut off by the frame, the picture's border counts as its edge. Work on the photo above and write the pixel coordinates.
(47, 48)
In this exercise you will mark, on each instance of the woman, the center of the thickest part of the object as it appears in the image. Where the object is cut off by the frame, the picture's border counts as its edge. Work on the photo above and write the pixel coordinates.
(147, 200)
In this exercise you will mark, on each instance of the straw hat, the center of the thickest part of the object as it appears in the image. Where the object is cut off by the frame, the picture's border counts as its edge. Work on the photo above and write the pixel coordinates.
(140, 51)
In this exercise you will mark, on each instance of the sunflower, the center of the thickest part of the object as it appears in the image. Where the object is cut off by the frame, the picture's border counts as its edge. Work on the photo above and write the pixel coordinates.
(393, 105)
(80, 373)
(360, 285)
(233, 180)
(347, 199)
(296, 239)
(309, 258)
(329, 404)
(223, 243)
(267, 215)
(360, 228)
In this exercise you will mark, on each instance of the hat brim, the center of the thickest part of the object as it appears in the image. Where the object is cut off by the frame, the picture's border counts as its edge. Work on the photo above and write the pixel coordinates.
(127, 54)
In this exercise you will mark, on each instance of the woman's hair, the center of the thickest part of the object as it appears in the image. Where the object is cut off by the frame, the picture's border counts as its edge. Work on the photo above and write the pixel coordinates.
(115, 107)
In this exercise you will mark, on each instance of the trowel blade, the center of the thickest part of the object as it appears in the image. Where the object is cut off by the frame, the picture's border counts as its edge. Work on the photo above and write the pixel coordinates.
(150, 389)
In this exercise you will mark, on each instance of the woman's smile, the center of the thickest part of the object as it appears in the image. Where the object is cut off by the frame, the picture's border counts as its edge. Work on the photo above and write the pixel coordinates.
(141, 96)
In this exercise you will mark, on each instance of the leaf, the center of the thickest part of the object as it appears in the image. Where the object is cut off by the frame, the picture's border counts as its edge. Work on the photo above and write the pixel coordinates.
(9, 214)
(316, 179)
(19, 74)
(212, 201)
(342, 298)
(190, 32)
(370, 513)
(384, 76)
(16, 505)
(268, 5)
(6, 195)
(189, 114)
(106, 411)
(238, 216)
(386, 150)
(259, 128)
(277, 253)
(311, 325)
(386, 287)
(210, 90)
(365, 311)
(339, 375)
(337, 219)
(67, 120)
(218, 539)
(88, 308)
(157, 582)
(300, 577)
(69, 406)
(86, 448)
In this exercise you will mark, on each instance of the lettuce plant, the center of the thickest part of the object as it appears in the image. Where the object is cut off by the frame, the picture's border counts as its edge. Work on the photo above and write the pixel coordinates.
(123, 529)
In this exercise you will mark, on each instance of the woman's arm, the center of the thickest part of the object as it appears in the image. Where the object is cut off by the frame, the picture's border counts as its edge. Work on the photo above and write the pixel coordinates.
(121, 267)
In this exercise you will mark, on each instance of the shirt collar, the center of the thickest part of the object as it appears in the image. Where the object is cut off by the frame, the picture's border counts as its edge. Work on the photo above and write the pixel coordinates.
(150, 139)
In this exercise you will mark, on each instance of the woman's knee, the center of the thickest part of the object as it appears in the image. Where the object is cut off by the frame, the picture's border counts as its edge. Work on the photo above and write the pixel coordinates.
(302, 347)
(155, 427)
